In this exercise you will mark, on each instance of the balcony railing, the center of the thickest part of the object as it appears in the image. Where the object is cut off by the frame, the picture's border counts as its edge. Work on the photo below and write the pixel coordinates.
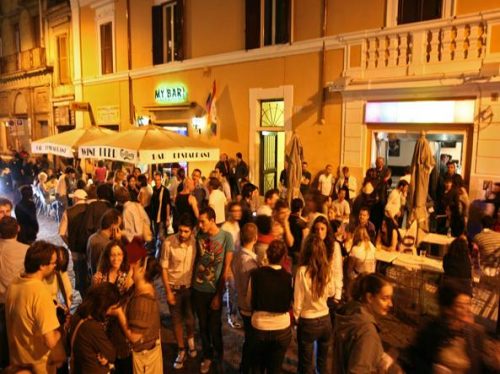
(30, 59)
(451, 46)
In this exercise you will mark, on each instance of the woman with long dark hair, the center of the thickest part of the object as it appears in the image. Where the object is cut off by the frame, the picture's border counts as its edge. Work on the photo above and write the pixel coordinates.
(114, 267)
(388, 237)
(91, 349)
(313, 286)
(457, 263)
(358, 346)
(322, 228)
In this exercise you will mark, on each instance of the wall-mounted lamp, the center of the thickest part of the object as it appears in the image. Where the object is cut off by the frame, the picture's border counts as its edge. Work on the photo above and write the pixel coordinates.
(143, 120)
(199, 123)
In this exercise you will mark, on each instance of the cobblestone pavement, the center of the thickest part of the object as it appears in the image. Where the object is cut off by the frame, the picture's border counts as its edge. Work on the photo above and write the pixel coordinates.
(394, 332)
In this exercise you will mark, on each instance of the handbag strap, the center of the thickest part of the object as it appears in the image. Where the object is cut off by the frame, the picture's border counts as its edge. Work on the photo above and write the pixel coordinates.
(60, 284)
(73, 336)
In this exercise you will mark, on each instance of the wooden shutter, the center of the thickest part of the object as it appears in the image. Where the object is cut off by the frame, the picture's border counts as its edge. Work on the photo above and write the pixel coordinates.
(157, 34)
(283, 21)
(252, 23)
(179, 30)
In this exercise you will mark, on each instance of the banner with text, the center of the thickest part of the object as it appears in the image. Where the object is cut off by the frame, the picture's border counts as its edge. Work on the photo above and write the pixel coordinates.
(53, 149)
(108, 153)
(178, 155)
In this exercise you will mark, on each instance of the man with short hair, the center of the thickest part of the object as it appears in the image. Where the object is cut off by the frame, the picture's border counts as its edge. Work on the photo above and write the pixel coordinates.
(281, 213)
(177, 260)
(65, 186)
(326, 183)
(341, 206)
(348, 182)
(241, 171)
(270, 198)
(32, 324)
(298, 227)
(159, 211)
(214, 255)
(396, 201)
(364, 221)
(243, 264)
(12, 255)
(110, 230)
(488, 243)
(200, 191)
(71, 232)
(217, 200)
(5, 207)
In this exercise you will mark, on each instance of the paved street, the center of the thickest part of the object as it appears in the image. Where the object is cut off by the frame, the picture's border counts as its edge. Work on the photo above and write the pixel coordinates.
(394, 332)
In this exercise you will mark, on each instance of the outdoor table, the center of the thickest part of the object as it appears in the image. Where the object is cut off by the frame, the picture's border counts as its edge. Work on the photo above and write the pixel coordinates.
(443, 241)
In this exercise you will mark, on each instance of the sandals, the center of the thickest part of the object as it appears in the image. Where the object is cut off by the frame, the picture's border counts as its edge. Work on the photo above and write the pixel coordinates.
(179, 361)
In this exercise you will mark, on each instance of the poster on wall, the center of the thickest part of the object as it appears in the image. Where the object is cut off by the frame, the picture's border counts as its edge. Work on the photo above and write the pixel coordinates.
(394, 148)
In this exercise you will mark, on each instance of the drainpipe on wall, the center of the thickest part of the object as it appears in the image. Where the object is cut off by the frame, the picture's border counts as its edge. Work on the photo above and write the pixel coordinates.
(321, 112)
(131, 108)
(40, 23)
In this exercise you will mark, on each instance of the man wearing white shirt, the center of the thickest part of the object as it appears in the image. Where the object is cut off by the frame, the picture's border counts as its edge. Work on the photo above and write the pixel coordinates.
(326, 182)
(270, 198)
(12, 255)
(349, 182)
(217, 200)
(396, 200)
(177, 261)
(341, 206)
(244, 262)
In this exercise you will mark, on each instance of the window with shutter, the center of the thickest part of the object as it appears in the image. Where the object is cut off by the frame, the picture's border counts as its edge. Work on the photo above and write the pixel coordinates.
(275, 18)
(62, 58)
(168, 32)
(419, 10)
(106, 38)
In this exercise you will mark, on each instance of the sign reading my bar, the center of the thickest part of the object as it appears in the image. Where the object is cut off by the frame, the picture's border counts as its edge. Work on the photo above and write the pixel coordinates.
(109, 153)
(175, 93)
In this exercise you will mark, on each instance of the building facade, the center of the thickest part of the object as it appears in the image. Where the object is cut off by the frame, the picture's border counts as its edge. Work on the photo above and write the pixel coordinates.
(246, 74)
(35, 70)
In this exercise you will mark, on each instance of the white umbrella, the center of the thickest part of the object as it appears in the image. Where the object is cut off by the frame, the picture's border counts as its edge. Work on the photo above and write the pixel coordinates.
(149, 145)
(66, 143)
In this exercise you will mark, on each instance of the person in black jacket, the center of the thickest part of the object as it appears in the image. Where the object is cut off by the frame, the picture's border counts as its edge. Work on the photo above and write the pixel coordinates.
(26, 216)
(272, 295)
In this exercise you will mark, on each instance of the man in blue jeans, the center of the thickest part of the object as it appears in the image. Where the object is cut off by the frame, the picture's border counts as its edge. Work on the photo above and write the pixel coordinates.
(214, 255)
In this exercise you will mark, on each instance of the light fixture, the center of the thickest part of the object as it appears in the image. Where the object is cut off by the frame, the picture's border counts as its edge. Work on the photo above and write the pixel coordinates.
(199, 123)
(143, 120)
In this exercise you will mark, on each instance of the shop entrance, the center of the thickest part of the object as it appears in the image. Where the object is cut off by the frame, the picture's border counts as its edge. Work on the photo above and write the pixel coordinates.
(272, 144)
(396, 146)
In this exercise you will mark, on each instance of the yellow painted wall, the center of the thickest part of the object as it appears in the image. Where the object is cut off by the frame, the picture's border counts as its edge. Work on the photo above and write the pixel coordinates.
(120, 46)
(214, 26)
(89, 43)
(142, 39)
(347, 16)
(495, 39)
(308, 19)
(321, 141)
(473, 6)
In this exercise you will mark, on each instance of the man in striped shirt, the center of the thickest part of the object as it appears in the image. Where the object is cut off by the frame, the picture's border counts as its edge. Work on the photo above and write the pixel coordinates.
(488, 242)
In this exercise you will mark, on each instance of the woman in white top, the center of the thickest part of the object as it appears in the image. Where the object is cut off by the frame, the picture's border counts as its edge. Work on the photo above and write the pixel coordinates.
(362, 256)
(313, 286)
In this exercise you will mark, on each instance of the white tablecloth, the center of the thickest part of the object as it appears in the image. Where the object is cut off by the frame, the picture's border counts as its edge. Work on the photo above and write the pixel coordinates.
(410, 261)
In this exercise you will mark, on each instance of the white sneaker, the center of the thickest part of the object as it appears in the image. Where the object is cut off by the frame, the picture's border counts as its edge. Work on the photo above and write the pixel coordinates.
(205, 366)
(179, 361)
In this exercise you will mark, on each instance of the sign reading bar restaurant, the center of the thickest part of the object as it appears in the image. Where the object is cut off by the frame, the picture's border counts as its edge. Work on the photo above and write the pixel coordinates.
(55, 149)
(178, 155)
(171, 93)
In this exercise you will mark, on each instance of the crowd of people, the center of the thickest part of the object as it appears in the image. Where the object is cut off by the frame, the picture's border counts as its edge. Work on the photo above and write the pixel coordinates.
(308, 264)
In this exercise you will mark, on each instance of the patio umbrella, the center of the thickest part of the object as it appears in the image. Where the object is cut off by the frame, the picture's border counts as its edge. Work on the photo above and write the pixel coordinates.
(294, 157)
(421, 166)
(149, 145)
(66, 143)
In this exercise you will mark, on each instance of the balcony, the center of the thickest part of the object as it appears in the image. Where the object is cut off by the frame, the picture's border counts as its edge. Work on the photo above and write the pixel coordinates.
(25, 61)
(434, 49)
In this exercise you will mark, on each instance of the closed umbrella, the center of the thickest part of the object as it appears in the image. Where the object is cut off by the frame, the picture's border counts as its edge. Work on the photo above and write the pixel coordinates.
(66, 143)
(421, 166)
(294, 157)
(149, 145)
